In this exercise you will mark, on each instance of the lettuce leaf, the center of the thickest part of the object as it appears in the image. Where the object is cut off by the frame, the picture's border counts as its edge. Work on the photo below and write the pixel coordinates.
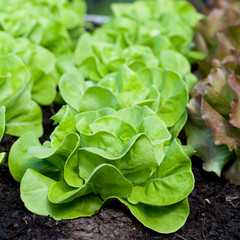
(161, 90)
(22, 113)
(51, 24)
(40, 62)
(104, 154)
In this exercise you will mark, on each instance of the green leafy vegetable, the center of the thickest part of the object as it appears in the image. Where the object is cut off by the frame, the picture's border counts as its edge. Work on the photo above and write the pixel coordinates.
(213, 128)
(34, 193)
(39, 61)
(159, 24)
(102, 154)
(160, 218)
(161, 90)
(126, 86)
(54, 25)
(22, 113)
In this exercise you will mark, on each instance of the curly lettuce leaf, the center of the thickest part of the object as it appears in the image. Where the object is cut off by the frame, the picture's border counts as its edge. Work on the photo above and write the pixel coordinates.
(97, 59)
(110, 176)
(234, 115)
(148, 22)
(162, 219)
(99, 155)
(40, 62)
(54, 25)
(162, 90)
(34, 193)
(22, 113)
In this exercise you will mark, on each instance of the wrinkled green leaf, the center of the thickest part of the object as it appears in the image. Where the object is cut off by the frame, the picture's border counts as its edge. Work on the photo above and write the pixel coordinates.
(171, 183)
(22, 114)
(34, 193)
(67, 124)
(20, 160)
(56, 156)
(97, 97)
(200, 137)
(106, 180)
(165, 219)
(135, 162)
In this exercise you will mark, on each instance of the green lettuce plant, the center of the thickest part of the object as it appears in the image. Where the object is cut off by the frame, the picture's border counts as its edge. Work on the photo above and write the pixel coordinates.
(53, 24)
(96, 59)
(22, 113)
(214, 112)
(40, 62)
(126, 89)
(95, 156)
(161, 90)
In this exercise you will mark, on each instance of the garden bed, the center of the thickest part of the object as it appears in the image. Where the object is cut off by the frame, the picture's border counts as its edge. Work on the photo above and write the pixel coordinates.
(214, 202)
(218, 219)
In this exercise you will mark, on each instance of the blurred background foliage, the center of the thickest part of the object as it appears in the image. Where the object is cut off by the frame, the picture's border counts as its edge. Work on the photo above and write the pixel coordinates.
(102, 7)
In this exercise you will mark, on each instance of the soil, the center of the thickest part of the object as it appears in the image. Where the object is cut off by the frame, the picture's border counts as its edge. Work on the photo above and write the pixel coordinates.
(214, 203)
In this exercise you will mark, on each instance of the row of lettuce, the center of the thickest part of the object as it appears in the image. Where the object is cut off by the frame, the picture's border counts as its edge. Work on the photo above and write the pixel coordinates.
(124, 89)
(213, 128)
(35, 36)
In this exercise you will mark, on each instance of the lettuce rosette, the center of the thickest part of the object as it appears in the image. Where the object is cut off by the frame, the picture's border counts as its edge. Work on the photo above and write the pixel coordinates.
(96, 59)
(96, 156)
(40, 62)
(22, 113)
(159, 24)
(2, 130)
(53, 24)
(213, 128)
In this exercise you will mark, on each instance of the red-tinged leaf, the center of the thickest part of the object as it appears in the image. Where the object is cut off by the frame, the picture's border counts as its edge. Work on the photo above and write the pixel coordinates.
(200, 88)
(228, 43)
(200, 137)
(210, 25)
(223, 132)
(235, 113)
(226, 4)
(219, 94)
(232, 36)
(234, 82)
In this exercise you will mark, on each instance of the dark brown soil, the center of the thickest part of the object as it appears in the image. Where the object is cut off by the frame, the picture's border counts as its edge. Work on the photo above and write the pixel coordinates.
(218, 219)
